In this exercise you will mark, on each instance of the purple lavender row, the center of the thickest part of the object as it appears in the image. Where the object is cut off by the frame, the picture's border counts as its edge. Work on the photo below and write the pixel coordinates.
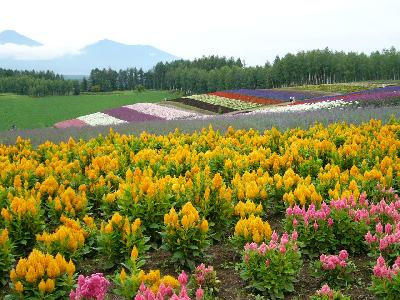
(274, 94)
(130, 115)
(360, 95)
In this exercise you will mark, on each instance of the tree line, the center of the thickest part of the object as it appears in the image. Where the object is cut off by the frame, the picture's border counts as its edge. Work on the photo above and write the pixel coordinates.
(37, 84)
(213, 73)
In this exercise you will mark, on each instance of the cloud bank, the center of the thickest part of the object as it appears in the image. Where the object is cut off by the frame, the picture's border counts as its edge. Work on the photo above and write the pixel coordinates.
(45, 52)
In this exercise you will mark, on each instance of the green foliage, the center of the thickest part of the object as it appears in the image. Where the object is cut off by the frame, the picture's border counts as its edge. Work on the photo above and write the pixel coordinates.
(185, 236)
(273, 273)
(338, 277)
(118, 238)
(319, 236)
(385, 288)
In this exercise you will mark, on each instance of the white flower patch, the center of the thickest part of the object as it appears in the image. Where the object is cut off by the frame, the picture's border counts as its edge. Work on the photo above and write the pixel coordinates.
(167, 113)
(99, 118)
(304, 107)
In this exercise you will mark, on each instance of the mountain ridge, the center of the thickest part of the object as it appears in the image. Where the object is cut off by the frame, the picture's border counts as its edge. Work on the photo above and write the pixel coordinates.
(101, 54)
(13, 37)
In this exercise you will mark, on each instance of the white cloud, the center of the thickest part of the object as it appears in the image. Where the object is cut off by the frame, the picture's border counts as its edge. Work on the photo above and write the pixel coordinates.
(22, 52)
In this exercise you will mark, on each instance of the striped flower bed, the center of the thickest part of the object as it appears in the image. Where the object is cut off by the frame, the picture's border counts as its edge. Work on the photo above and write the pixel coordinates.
(128, 114)
(226, 102)
(246, 98)
(163, 112)
(303, 107)
(379, 93)
(279, 95)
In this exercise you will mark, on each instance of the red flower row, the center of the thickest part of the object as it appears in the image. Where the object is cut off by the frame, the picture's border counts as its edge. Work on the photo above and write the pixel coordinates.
(246, 98)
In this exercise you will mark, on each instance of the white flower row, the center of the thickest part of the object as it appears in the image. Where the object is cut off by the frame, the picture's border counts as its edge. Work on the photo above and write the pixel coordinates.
(167, 113)
(99, 118)
(303, 107)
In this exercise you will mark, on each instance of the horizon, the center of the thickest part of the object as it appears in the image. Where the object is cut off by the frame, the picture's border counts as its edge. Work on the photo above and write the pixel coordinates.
(224, 28)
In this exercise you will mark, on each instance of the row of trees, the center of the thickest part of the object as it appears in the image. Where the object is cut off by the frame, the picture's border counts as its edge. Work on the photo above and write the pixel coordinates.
(213, 73)
(311, 67)
(36, 84)
(106, 80)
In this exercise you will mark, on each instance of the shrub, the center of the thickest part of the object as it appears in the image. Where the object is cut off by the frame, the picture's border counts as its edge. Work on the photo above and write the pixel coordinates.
(272, 269)
(329, 228)
(185, 235)
(93, 287)
(335, 270)
(164, 292)
(252, 229)
(205, 278)
(386, 279)
(326, 293)
(117, 239)
(42, 276)
(6, 256)
(68, 239)
(23, 219)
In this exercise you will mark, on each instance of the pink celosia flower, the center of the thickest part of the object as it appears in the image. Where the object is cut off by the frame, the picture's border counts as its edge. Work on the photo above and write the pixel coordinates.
(199, 293)
(343, 255)
(183, 278)
(295, 235)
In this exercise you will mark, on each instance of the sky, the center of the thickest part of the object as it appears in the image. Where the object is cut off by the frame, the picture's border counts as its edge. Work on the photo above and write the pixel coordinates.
(253, 30)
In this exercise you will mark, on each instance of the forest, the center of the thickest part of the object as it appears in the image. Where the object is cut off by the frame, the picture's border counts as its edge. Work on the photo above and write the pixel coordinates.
(37, 84)
(213, 73)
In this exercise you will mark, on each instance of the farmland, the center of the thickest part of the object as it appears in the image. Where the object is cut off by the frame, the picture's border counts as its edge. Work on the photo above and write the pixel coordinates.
(27, 112)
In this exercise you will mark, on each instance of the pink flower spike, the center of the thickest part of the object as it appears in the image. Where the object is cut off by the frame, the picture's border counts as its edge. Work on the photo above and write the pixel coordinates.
(315, 225)
(343, 255)
(183, 278)
(379, 228)
(295, 235)
(274, 236)
(388, 228)
(199, 293)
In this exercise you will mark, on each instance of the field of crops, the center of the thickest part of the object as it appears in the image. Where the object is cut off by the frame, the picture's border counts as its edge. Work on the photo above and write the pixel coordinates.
(25, 112)
(284, 214)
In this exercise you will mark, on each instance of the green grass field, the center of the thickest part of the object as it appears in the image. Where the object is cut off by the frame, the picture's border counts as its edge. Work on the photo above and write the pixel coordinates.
(26, 112)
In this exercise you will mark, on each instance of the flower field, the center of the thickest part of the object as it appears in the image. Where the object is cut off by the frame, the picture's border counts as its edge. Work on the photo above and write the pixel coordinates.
(138, 112)
(386, 92)
(319, 199)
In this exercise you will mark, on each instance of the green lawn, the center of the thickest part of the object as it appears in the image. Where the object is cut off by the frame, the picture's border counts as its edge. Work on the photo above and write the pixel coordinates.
(26, 112)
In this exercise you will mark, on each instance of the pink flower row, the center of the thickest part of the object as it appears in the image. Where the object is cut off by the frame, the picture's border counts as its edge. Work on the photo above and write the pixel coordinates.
(385, 238)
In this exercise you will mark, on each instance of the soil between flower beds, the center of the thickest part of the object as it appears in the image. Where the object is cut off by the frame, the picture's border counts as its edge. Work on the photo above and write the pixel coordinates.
(203, 105)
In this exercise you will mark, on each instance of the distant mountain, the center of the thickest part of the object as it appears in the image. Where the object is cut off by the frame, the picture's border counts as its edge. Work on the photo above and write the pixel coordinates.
(13, 37)
(102, 54)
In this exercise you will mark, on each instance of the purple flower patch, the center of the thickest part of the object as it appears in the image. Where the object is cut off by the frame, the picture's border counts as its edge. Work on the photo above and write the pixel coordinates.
(130, 115)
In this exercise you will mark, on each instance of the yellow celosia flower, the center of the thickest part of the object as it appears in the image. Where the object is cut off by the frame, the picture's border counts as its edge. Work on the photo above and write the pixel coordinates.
(134, 253)
(19, 287)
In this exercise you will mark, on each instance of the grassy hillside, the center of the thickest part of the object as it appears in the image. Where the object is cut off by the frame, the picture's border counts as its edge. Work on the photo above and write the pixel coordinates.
(26, 112)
